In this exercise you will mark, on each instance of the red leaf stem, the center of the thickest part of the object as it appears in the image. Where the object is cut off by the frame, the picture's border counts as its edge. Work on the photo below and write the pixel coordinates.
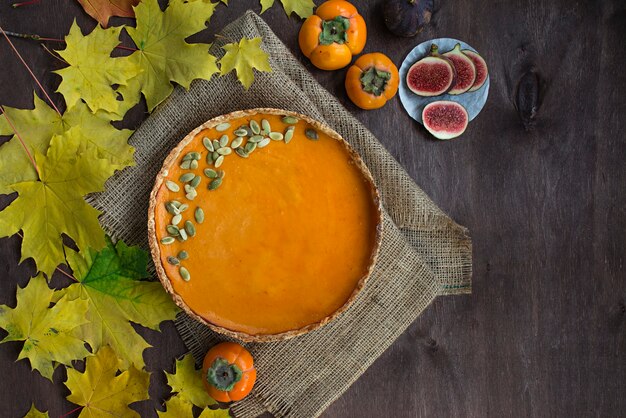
(30, 71)
(30, 156)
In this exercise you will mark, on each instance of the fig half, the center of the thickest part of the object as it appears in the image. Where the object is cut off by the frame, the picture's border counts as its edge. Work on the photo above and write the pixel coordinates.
(432, 75)
(481, 69)
(465, 70)
(445, 119)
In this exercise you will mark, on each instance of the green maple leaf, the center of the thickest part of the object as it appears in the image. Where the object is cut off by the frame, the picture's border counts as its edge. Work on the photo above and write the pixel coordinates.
(49, 334)
(92, 71)
(52, 203)
(111, 282)
(243, 57)
(35, 413)
(187, 382)
(102, 391)
(37, 126)
(303, 8)
(163, 53)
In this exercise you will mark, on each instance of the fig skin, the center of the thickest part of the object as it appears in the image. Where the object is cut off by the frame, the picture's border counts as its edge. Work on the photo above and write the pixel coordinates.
(455, 55)
(407, 17)
(481, 69)
(434, 58)
(444, 134)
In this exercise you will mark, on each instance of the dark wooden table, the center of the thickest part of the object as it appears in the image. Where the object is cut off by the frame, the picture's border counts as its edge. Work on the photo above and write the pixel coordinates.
(543, 194)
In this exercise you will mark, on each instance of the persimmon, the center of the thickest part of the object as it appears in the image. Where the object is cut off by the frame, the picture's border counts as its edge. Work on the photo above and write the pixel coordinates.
(372, 80)
(333, 35)
(228, 372)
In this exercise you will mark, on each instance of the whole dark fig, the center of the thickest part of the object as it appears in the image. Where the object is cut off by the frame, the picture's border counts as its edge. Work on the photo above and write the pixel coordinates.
(407, 17)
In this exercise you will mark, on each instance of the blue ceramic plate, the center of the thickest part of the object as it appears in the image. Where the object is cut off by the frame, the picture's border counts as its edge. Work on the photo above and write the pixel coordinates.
(473, 102)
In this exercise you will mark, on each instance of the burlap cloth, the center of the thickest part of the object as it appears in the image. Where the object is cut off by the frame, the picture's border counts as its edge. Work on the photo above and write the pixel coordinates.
(423, 254)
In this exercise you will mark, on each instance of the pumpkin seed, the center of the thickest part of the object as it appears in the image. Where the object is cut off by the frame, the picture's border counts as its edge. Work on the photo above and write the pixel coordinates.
(242, 152)
(222, 127)
(185, 164)
(256, 138)
(241, 132)
(176, 219)
(191, 230)
(183, 235)
(224, 151)
(215, 155)
(210, 173)
(266, 126)
(171, 208)
(216, 144)
(247, 129)
(173, 187)
(250, 146)
(220, 174)
(209, 158)
(199, 215)
(219, 161)
(176, 203)
(207, 144)
(167, 240)
(290, 120)
(215, 184)
(187, 157)
(173, 260)
(276, 136)
(191, 196)
(256, 129)
(189, 188)
(183, 207)
(183, 255)
(311, 134)
(289, 134)
(263, 143)
(223, 141)
(195, 155)
(186, 177)
(173, 230)
(193, 164)
(196, 181)
(236, 142)
(184, 274)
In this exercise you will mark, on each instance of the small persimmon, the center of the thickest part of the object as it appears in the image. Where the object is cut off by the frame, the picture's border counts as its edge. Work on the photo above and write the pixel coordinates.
(334, 34)
(228, 372)
(372, 81)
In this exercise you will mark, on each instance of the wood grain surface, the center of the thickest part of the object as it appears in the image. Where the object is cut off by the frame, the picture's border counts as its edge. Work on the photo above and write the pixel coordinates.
(539, 178)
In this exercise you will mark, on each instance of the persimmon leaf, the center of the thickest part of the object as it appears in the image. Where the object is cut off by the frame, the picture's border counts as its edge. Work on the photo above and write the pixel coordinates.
(164, 55)
(102, 391)
(111, 282)
(37, 126)
(35, 413)
(92, 71)
(187, 382)
(49, 334)
(243, 57)
(52, 203)
(102, 10)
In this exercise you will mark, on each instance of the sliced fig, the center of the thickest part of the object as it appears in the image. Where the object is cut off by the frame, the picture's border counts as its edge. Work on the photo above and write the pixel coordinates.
(445, 119)
(407, 17)
(465, 70)
(481, 69)
(432, 75)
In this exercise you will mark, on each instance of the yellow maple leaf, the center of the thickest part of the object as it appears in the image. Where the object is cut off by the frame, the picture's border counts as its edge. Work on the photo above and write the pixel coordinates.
(102, 391)
(50, 335)
(187, 382)
(243, 57)
(303, 8)
(35, 413)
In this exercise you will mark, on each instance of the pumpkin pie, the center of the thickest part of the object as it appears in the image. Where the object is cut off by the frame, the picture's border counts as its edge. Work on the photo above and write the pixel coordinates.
(264, 224)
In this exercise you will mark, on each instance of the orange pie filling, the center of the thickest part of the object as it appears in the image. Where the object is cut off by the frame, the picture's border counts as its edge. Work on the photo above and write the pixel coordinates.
(280, 239)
